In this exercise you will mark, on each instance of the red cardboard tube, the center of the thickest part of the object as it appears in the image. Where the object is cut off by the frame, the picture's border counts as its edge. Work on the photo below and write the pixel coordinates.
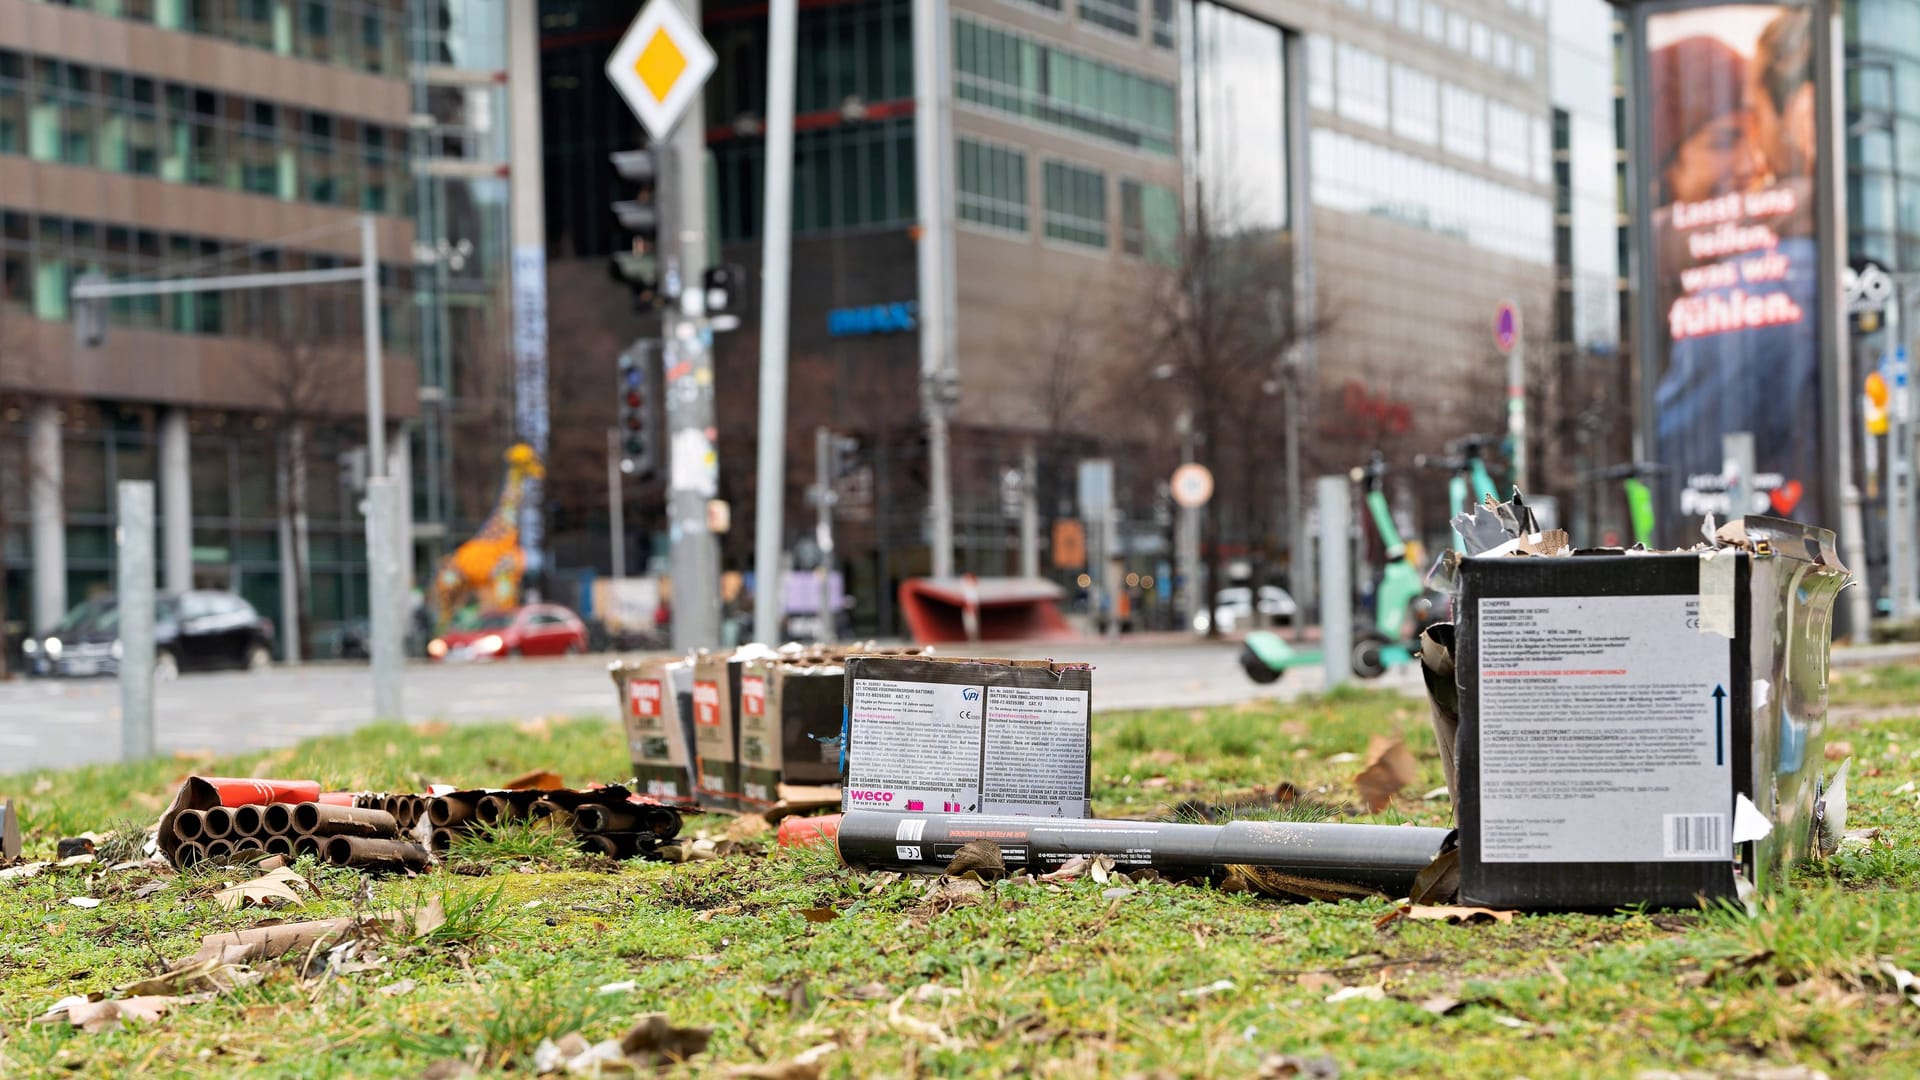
(808, 831)
(235, 791)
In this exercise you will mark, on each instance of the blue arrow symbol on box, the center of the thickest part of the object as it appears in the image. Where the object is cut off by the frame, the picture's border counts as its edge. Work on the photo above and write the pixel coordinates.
(1719, 725)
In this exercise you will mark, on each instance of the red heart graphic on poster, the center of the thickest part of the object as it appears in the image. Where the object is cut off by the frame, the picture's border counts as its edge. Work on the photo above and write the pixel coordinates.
(1786, 497)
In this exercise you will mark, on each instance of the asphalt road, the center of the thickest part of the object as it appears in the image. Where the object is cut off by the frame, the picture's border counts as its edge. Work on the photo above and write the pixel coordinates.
(49, 723)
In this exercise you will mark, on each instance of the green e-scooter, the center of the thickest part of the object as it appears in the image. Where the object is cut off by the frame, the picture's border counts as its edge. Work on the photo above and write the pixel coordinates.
(1470, 483)
(1379, 645)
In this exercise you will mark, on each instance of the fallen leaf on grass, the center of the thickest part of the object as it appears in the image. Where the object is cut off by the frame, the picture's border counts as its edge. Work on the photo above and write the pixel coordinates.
(654, 1040)
(981, 857)
(1513, 1022)
(428, 917)
(205, 974)
(1439, 883)
(279, 887)
(1343, 757)
(1447, 913)
(934, 992)
(1356, 993)
(537, 780)
(1069, 870)
(1903, 981)
(83, 901)
(23, 871)
(1442, 1005)
(102, 1016)
(1316, 981)
(1287, 1066)
(149, 889)
(395, 989)
(1390, 767)
(1839, 750)
(820, 914)
(625, 986)
(917, 1028)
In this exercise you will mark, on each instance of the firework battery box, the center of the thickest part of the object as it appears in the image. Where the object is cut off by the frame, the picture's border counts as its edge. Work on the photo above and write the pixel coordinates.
(659, 726)
(789, 725)
(926, 735)
(1642, 729)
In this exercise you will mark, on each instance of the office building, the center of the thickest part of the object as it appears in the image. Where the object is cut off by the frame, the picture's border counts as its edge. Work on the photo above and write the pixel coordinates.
(1086, 133)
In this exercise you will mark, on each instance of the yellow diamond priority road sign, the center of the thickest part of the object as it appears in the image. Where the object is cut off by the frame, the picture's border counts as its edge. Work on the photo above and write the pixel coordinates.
(660, 65)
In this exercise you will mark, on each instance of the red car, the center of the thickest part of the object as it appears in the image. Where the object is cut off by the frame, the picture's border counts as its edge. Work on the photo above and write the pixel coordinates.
(533, 630)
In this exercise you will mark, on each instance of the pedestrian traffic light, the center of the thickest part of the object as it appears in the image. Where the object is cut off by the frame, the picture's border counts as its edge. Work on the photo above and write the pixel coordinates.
(636, 261)
(722, 286)
(640, 409)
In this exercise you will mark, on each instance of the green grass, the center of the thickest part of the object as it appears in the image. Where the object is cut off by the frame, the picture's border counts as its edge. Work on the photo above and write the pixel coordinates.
(1046, 980)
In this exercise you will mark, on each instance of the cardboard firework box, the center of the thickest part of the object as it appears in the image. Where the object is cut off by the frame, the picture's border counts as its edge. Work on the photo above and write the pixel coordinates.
(930, 735)
(659, 732)
(789, 723)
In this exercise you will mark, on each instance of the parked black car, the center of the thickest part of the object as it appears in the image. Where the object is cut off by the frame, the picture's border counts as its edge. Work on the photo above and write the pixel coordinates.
(195, 631)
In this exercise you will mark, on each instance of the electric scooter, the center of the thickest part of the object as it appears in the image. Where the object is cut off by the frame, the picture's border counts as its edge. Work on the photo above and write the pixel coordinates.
(1470, 483)
(1380, 645)
(1633, 477)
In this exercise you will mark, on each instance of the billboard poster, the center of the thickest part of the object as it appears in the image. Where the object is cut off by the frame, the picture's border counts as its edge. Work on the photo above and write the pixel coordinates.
(1729, 149)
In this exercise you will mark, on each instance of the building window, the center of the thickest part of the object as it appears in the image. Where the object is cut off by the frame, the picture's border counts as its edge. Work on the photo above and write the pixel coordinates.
(1119, 16)
(1433, 22)
(1523, 60)
(1362, 77)
(1362, 177)
(1482, 44)
(1076, 204)
(1502, 51)
(1320, 72)
(1457, 31)
(992, 187)
(1416, 105)
(1463, 117)
(1002, 70)
(1163, 23)
(844, 178)
(1149, 221)
(1410, 16)
(1236, 130)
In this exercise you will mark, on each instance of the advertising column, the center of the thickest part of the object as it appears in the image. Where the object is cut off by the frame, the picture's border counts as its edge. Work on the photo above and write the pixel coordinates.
(1734, 228)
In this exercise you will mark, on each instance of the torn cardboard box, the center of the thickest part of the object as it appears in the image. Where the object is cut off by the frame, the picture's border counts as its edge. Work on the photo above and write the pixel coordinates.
(659, 732)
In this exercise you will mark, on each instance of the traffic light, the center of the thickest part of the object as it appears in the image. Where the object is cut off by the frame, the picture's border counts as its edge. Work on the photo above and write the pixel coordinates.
(843, 457)
(639, 391)
(722, 287)
(639, 265)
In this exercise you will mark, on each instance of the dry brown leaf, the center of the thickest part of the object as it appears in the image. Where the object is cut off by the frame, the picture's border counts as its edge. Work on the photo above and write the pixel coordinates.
(1459, 915)
(1442, 1005)
(980, 857)
(1284, 1066)
(428, 917)
(1390, 767)
(206, 973)
(1839, 750)
(1069, 870)
(1316, 981)
(537, 780)
(101, 1016)
(820, 914)
(748, 826)
(277, 887)
(654, 1040)
(802, 1066)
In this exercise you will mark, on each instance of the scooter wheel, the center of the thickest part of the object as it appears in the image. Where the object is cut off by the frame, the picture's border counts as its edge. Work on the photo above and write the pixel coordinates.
(1368, 662)
(1257, 669)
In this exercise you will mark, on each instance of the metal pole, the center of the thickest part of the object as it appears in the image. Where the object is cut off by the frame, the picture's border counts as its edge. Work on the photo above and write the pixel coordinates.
(1336, 618)
(930, 138)
(1517, 403)
(383, 512)
(776, 269)
(1736, 458)
(383, 617)
(823, 530)
(527, 201)
(1301, 373)
(616, 508)
(1029, 512)
(176, 500)
(694, 466)
(1187, 551)
(1300, 574)
(45, 508)
(289, 626)
(136, 599)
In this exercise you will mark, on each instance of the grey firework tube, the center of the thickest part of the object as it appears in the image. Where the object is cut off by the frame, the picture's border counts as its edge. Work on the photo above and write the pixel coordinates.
(369, 854)
(1383, 858)
(318, 819)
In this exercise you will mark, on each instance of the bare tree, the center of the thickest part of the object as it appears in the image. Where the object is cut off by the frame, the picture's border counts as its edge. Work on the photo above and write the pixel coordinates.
(302, 373)
(1215, 322)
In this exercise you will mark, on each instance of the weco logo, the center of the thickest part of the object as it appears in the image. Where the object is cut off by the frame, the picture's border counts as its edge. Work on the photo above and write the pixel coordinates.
(859, 795)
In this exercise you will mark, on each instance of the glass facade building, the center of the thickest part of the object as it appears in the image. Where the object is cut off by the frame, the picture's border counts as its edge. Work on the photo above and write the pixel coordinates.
(1883, 130)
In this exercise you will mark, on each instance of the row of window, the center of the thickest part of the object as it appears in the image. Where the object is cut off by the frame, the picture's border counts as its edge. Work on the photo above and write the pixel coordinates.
(1120, 17)
(41, 257)
(991, 190)
(366, 35)
(1006, 71)
(850, 177)
(1461, 33)
(1366, 88)
(55, 111)
(1363, 177)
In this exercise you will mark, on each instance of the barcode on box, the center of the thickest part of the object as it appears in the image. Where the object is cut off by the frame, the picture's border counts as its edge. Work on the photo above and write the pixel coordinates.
(1696, 836)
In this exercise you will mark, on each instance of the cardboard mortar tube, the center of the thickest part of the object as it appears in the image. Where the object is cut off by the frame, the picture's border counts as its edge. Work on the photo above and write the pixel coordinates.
(189, 852)
(617, 845)
(233, 791)
(248, 819)
(218, 823)
(495, 809)
(280, 844)
(336, 798)
(218, 849)
(441, 841)
(314, 819)
(279, 817)
(306, 845)
(370, 854)
(447, 811)
(808, 831)
(190, 825)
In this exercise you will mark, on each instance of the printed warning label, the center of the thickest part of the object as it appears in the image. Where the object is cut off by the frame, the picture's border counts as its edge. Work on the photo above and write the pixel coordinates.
(914, 746)
(1036, 761)
(1603, 730)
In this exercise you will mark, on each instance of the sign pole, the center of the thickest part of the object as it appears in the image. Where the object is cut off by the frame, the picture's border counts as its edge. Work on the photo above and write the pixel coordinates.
(1507, 335)
(776, 274)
